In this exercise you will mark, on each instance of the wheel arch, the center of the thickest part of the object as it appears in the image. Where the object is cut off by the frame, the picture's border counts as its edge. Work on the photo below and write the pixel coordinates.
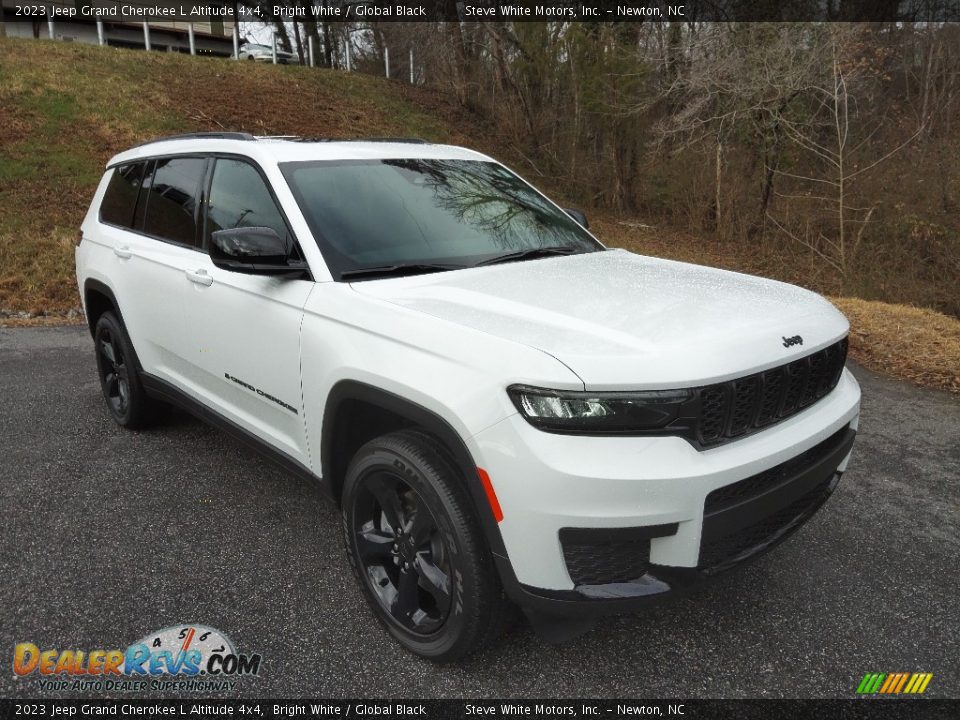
(98, 298)
(352, 405)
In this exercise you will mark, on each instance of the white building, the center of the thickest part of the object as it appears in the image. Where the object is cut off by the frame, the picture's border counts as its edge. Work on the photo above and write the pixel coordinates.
(214, 37)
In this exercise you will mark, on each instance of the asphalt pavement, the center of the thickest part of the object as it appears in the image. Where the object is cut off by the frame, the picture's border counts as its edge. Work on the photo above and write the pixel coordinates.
(108, 535)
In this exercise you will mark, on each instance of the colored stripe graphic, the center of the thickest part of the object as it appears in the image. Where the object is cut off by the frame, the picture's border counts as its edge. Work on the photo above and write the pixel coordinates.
(903, 679)
(918, 683)
(891, 681)
(894, 683)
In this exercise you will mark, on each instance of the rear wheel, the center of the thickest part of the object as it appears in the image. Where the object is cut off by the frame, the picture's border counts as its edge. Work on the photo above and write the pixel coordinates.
(417, 550)
(123, 391)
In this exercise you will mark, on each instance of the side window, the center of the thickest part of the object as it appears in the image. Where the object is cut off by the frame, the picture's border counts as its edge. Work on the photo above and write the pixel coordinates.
(169, 199)
(121, 195)
(240, 198)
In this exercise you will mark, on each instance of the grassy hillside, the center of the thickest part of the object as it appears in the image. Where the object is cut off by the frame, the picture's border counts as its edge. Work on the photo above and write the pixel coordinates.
(66, 108)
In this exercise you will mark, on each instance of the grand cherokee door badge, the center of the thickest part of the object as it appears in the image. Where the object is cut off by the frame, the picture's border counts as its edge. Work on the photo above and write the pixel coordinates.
(261, 393)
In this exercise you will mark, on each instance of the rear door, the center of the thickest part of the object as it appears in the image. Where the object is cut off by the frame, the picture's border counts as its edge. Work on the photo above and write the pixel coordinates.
(244, 329)
(152, 250)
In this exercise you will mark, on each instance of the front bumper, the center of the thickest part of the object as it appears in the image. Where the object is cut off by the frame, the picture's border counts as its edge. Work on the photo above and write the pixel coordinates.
(669, 516)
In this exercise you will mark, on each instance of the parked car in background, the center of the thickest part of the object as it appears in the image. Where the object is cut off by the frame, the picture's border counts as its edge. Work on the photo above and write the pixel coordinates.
(264, 53)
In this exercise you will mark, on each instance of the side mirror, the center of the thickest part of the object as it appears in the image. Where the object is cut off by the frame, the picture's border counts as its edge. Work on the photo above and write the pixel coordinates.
(579, 216)
(254, 250)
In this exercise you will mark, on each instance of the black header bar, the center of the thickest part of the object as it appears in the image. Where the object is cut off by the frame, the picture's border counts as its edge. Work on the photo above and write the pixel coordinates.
(490, 10)
(579, 709)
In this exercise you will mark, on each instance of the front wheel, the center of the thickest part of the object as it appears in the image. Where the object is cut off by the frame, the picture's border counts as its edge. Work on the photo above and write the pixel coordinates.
(416, 548)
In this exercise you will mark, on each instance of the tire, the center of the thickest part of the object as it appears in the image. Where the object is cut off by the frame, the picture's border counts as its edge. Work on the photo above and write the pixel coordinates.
(127, 401)
(417, 550)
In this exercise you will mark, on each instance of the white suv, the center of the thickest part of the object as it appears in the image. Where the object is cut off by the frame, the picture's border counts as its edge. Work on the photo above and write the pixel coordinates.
(503, 408)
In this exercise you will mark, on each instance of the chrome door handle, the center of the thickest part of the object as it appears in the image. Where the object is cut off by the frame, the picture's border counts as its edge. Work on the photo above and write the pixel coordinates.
(200, 277)
(123, 252)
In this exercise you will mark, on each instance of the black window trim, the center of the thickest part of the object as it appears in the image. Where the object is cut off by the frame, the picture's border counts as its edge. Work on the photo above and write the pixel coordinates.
(148, 168)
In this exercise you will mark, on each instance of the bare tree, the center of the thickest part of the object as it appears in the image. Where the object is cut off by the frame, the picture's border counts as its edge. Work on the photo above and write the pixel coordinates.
(835, 134)
(738, 78)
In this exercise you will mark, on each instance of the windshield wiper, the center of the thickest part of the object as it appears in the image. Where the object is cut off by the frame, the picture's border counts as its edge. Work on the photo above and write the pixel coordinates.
(399, 269)
(531, 254)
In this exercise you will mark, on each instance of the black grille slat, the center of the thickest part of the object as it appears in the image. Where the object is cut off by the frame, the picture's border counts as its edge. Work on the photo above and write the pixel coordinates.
(839, 360)
(815, 374)
(746, 392)
(713, 413)
(732, 409)
(796, 379)
(773, 386)
(830, 358)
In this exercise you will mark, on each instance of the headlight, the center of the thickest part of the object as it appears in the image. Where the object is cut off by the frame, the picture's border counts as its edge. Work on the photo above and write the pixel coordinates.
(614, 413)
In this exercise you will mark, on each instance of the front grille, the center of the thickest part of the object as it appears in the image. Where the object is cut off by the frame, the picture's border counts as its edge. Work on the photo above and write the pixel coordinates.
(736, 408)
(612, 561)
(730, 495)
(729, 548)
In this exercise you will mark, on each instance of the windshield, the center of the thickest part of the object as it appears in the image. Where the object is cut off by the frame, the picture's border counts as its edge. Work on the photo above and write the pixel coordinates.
(447, 214)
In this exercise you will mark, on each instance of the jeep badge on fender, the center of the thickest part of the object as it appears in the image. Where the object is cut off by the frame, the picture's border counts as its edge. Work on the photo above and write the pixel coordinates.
(795, 340)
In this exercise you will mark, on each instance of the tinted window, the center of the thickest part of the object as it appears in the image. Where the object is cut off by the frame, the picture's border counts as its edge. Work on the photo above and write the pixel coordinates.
(239, 197)
(121, 195)
(372, 213)
(169, 199)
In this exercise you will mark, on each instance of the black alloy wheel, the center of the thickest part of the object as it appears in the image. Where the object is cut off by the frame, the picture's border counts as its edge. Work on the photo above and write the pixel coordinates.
(117, 364)
(415, 545)
(402, 552)
(114, 375)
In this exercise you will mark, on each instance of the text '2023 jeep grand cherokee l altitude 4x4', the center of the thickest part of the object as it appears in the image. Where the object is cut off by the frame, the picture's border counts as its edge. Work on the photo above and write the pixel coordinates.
(504, 409)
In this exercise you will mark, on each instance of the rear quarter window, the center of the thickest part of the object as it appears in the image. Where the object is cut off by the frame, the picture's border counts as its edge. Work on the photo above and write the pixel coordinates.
(120, 199)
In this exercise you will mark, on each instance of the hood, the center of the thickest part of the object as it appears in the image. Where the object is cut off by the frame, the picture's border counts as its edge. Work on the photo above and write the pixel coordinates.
(625, 321)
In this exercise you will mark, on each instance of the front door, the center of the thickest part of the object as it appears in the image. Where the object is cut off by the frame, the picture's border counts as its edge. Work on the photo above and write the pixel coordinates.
(245, 329)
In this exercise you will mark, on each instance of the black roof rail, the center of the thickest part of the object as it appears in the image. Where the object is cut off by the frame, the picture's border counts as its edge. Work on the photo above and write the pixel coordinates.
(200, 136)
(291, 138)
(410, 140)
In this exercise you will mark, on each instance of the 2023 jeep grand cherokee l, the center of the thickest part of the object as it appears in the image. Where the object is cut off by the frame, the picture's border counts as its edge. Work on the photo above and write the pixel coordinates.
(502, 407)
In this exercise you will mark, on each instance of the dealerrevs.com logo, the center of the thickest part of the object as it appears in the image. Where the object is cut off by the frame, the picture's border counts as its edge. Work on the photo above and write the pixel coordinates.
(185, 657)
